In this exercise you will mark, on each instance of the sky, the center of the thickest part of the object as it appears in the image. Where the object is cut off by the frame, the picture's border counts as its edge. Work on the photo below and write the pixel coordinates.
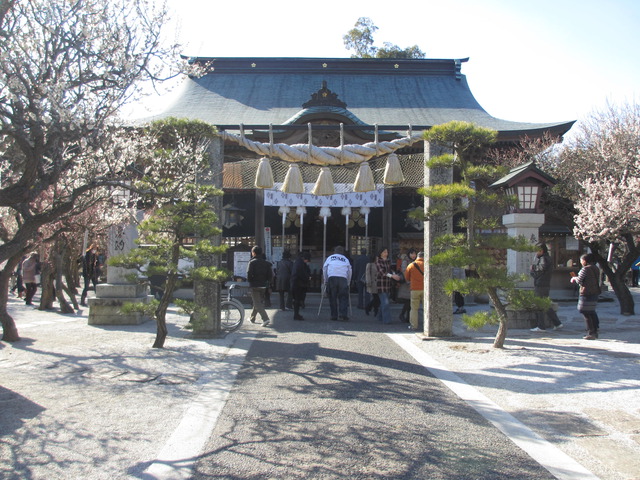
(529, 61)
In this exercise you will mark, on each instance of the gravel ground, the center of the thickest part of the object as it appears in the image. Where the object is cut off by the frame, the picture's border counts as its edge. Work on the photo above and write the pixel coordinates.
(86, 402)
(583, 396)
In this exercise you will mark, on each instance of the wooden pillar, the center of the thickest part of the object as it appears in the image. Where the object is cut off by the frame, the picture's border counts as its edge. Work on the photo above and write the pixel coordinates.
(207, 293)
(259, 219)
(387, 216)
(438, 311)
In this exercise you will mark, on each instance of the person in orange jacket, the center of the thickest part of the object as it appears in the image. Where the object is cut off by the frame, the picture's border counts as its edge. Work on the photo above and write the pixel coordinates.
(414, 275)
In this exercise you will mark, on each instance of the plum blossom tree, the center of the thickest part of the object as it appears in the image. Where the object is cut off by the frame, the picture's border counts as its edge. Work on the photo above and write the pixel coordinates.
(600, 172)
(609, 212)
(66, 67)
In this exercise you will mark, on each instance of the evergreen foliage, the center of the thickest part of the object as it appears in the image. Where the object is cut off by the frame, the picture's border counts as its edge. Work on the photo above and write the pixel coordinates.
(480, 251)
(179, 229)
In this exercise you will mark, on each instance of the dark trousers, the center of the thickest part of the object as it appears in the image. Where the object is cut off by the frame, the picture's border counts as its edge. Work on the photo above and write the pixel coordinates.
(338, 290)
(31, 289)
(363, 295)
(374, 304)
(288, 302)
(592, 322)
(88, 280)
(299, 296)
(458, 299)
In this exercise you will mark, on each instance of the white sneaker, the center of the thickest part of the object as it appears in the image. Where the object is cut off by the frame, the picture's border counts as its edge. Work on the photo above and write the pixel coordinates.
(537, 330)
(558, 327)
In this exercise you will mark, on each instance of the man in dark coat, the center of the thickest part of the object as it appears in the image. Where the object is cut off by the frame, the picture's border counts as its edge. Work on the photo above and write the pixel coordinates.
(300, 279)
(259, 275)
(283, 280)
(359, 269)
(90, 272)
(541, 270)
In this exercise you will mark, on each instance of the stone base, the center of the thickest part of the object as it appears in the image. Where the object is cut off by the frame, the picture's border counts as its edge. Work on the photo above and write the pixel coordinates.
(121, 290)
(105, 308)
(526, 319)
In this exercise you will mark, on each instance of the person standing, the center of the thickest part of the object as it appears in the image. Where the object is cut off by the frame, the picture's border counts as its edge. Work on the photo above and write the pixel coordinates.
(372, 287)
(635, 272)
(383, 282)
(90, 271)
(300, 281)
(589, 280)
(29, 272)
(19, 286)
(283, 280)
(414, 276)
(259, 275)
(541, 270)
(337, 277)
(359, 278)
(458, 273)
(404, 289)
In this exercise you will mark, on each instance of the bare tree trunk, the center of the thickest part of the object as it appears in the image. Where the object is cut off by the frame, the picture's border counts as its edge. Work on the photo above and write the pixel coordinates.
(501, 336)
(161, 311)
(59, 286)
(616, 277)
(9, 329)
(46, 287)
(627, 305)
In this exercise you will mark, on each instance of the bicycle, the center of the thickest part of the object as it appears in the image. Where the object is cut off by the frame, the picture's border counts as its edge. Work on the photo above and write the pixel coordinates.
(231, 312)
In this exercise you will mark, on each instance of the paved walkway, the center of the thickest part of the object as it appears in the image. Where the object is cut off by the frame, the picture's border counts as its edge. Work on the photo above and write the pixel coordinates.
(319, 399)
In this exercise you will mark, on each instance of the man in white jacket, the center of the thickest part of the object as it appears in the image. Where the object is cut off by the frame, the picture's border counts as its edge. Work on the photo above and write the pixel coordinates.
(337, 278)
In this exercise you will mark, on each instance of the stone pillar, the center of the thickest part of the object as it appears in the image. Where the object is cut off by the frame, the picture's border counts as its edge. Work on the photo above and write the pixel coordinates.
(206, 294)
(438, 314)
(526, 225)
(110, 296)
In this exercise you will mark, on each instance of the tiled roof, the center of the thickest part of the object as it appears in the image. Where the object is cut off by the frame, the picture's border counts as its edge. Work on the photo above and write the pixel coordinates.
(263, 91)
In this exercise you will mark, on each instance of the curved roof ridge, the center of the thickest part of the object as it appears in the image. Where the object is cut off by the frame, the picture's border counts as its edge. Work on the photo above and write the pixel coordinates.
(273, 90)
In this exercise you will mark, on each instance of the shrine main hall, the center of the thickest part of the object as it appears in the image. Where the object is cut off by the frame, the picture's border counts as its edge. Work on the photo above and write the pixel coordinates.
(305, 119)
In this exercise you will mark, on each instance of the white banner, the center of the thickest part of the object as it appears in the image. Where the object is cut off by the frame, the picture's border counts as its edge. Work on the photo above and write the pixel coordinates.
(344, 197)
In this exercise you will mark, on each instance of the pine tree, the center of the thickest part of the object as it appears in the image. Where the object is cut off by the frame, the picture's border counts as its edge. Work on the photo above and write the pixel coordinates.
(181, 222)
(481, 249)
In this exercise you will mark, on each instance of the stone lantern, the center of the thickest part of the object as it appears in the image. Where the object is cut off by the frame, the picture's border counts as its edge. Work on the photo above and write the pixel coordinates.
(524, 216)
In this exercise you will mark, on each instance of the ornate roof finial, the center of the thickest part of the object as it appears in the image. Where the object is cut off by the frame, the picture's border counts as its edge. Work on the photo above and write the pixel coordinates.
(324, 98)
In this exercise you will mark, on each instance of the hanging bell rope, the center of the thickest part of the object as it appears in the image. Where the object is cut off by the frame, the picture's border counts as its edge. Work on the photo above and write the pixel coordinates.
(264, 174)
(392, 171)
(324, 184)
(324, 156)
(364, 180)
(293, 180)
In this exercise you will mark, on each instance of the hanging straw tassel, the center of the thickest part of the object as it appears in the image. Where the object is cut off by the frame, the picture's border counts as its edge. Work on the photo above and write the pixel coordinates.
(393, 172)
(293, 180)
(364, 180)
(264, 174)
(324, 184)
